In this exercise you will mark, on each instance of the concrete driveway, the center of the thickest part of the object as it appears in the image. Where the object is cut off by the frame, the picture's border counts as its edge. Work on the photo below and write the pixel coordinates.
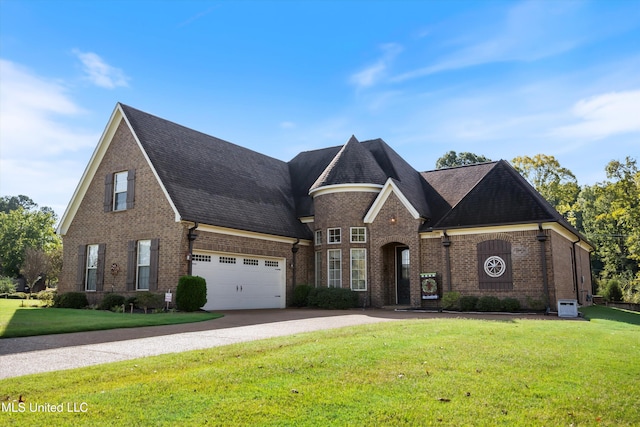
(30, 355)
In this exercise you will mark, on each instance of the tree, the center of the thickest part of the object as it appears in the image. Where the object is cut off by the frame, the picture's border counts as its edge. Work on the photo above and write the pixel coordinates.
(452, 159)
(610, 214)
(558, 185)
(22, 228)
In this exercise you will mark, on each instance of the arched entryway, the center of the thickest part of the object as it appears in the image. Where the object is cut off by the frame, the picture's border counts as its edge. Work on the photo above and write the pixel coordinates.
(396, 274)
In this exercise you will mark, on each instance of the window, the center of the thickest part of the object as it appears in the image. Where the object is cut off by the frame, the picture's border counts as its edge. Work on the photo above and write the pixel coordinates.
(359, 269)
(249, 261)
(201, 258)
(318, 237)
(335, 268)
(143, 260)
(358, 235)
(92, 268)
(318, 268)
(144, 264)
(333, 235)
(120, 191)
(227, 260)
(271, 263)
(494, 265)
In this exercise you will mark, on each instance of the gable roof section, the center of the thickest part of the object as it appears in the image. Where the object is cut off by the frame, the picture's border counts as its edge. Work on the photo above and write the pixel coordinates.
(215, 182)
(495, 194)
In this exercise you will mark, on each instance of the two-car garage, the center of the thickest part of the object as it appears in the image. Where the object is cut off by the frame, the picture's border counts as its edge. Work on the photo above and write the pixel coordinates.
(236, 281)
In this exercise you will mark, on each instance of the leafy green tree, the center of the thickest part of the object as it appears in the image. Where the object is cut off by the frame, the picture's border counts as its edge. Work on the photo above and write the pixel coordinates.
(24, 227)
(452, 159)
(558, 185)
(610, 213)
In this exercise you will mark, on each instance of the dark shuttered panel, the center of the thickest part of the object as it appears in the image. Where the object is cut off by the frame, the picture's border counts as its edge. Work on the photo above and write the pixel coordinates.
(494, 265)
(153, 264)
(108, 192)
(131, 265)
(131, 185)
(100, 272)
(82, 265)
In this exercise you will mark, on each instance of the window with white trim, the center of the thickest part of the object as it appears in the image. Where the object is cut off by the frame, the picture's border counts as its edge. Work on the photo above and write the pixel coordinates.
(334, 268)
(91, 275)
(318, 237)
(333, 235)
(358, 235)
(120, 191)
(144, 265)
(358, 269)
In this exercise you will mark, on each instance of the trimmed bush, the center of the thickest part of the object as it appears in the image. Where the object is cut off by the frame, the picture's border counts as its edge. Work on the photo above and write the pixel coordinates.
(301, 295)
(191, 293)
(468, 303)
(148, 300)
(612, 291)
(6, 285)
(333, 298)
(489, 303)
(510, 305)
(71, 300)
(451, 301)
(111, 300)
(46, 297)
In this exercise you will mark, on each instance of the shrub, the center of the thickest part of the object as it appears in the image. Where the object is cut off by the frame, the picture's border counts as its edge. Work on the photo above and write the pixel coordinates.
(70, 300)
(148, 300)
(191, 293)
(301, 295)
(7, 286)
(612, 291)
(111, 300)
(451, 301)
(489, 303)
(510, 305)
(46, 297)
(468, 303)
(18, 295)
(333, 298)
(536, 304)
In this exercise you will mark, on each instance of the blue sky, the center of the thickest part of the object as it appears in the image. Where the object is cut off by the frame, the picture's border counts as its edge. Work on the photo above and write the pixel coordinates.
(497, 78)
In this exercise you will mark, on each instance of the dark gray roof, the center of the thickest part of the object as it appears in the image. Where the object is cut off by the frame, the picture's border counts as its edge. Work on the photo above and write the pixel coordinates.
(215, 182)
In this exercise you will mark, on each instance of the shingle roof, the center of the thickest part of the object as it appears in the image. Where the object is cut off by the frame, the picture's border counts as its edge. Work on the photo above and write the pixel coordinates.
(216, 182)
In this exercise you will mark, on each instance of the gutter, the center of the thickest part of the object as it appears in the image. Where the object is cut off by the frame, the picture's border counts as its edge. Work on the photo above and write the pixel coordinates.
(542, 238)
(191, 237)
(575, 268)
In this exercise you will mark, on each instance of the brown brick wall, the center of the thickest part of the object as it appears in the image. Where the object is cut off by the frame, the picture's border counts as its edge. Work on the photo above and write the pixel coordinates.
(151, 217)
(567, 284)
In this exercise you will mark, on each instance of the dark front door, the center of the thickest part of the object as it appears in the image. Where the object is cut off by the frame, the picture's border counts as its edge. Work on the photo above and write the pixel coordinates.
(403, 272)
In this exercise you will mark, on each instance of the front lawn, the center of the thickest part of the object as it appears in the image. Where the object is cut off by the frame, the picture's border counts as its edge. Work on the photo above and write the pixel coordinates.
(17, 321)
(442, 372)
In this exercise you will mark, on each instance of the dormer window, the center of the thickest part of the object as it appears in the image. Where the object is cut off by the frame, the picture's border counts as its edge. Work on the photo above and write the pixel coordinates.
(120, 191)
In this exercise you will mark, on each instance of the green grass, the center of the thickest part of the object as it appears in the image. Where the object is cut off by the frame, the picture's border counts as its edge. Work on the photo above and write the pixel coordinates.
(17, 321)
(442, 372)
(600, 313)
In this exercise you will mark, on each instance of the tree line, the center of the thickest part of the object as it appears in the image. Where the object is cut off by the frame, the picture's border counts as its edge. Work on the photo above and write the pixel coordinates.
(606, 213)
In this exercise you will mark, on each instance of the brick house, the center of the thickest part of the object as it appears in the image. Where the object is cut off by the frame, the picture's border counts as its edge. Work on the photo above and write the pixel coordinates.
(158, 200)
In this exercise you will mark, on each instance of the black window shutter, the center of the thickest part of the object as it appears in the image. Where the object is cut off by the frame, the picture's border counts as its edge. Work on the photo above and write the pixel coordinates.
(100, 273)
(131, 266)
(108, 192)
(82, 265)
(153, 264)
(131, 185)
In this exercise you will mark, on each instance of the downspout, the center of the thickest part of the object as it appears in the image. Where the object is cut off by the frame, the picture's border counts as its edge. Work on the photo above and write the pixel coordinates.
(542, 238)
(446, 242)
(191, 236)
(575, 269)
(294, 251)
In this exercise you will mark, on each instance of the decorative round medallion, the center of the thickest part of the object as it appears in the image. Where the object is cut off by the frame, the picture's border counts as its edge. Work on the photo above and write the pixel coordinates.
(495, 266)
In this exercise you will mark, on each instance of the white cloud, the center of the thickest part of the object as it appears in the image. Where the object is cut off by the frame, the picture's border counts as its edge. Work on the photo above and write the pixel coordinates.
(529, 31)
(604, 115)
(372, 74)
(287, 125)
(99, 72)
(36, 145)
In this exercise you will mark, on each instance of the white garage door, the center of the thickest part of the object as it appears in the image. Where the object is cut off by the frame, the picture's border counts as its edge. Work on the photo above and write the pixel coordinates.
(241, 281)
